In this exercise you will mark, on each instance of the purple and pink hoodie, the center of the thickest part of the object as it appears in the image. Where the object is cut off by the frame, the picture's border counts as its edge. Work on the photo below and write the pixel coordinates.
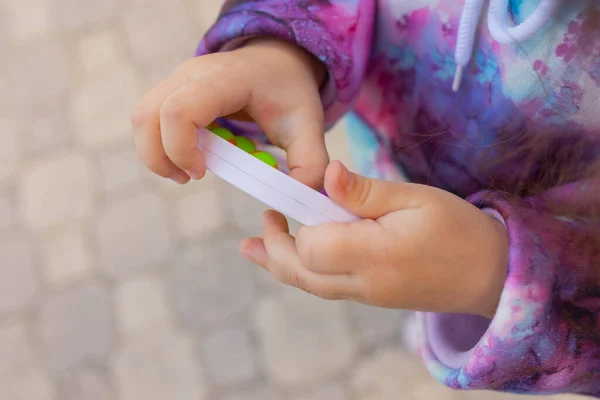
(392, 65)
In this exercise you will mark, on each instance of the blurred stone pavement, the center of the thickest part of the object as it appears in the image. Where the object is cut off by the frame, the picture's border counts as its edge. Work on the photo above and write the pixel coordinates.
(115, 284)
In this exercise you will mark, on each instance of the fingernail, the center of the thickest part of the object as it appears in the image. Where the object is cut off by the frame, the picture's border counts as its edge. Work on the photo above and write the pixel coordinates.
(267, 216)
(178, 177)
(246, 252)
(194, 174)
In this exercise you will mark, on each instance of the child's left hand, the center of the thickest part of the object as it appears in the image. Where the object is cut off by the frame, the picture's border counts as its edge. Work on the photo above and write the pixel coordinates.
(418, 248)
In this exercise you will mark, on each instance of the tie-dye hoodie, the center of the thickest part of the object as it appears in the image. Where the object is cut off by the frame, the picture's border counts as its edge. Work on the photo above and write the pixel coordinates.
(391, 65)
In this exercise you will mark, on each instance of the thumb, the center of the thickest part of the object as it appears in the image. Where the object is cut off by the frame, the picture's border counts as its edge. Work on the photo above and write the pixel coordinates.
(366, 197)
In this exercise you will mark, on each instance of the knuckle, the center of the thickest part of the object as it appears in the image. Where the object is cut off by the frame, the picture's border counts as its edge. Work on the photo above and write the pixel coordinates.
(177, 153)
(208, 66)
(293, 278)
(334, 243)
(140, 115)
(280, 273)
(171, 110)
(319, 247)
(363, 192)
(305, 249)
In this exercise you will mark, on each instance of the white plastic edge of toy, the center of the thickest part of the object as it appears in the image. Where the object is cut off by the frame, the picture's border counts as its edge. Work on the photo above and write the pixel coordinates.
(268, 185)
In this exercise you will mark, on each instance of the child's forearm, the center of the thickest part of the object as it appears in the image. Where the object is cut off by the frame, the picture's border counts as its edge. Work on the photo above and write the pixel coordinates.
(278, 47)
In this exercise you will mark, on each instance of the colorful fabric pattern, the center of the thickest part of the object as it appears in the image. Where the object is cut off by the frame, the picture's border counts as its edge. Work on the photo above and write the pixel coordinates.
(391, 65)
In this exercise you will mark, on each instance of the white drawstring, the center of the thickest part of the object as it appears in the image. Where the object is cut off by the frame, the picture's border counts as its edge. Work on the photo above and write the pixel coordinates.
(499, 28)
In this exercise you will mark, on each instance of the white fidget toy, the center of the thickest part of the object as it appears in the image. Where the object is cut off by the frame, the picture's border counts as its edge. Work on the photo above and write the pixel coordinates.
(255, 171)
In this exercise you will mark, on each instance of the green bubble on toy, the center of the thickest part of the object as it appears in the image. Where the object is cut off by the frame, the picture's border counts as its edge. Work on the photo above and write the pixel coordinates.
(223, 133)
(266, 158)
(245, 144)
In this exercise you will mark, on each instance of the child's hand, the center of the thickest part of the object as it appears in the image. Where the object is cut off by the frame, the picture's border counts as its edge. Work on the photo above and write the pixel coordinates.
(419, 248)
(269, 81)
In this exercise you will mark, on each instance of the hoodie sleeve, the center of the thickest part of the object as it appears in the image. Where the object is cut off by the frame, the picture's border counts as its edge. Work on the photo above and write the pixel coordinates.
(337, 32)
(545, 336)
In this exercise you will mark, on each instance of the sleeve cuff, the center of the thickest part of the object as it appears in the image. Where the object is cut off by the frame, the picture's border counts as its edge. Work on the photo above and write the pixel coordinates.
(472, 352)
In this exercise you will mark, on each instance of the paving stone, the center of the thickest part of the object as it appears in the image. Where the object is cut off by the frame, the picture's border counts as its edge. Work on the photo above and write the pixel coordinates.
(120, 168)
(411, 332)
(86, 383)
(30, 82)
(133, 233)
(96, 50)
(20, 375)
(212, 283)
(200, 213)
(28, 384)
(18, 285)
(16, 349)
(76, 325)
(391, 372)
(141, 304)
(28, 20)
(158, 367)
(375, 325)
(10, 150)
(47, 130)
(204, 13)
(56, 190)
(76, 14)
(265, 281)
(7, 100)
(328, 392)
(229, 357)
(245, 211)
(100, 107)
(305, 339)
(7, 212)
(149, 41)
(161, 67)
(67, 256)
(263, 393)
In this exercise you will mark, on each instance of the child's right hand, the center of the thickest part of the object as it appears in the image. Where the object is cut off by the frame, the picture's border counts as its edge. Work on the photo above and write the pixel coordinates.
(274, 83)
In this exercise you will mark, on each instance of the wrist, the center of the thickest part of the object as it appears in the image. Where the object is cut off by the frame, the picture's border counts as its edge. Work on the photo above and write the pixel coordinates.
(493, 267)
(278, 48)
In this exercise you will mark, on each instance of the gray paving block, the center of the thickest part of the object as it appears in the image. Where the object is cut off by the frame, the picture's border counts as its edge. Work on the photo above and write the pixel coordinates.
(77, 325)
(211, 283)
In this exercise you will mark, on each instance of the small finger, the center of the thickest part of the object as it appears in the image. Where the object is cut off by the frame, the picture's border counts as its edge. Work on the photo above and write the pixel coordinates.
(284, 264)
